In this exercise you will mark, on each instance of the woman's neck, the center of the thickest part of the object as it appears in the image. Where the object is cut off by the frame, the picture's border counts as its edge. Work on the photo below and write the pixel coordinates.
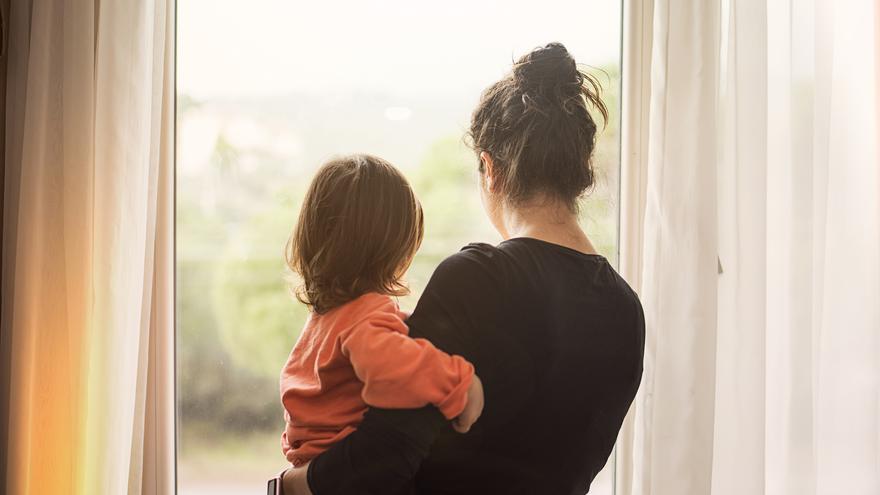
(547, 221)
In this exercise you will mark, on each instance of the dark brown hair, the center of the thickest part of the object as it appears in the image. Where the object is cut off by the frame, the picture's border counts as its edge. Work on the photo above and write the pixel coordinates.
(536, 126)
(359, 227)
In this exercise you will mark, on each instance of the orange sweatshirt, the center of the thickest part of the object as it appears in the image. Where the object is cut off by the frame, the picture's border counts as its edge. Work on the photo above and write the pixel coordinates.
(355, 356)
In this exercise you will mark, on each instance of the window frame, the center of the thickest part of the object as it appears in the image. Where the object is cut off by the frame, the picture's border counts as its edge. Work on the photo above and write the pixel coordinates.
(634, 104)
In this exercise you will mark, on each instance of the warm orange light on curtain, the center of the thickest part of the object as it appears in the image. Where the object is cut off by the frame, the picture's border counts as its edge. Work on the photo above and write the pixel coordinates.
(46, 406)
(88, 251)
(48, 249)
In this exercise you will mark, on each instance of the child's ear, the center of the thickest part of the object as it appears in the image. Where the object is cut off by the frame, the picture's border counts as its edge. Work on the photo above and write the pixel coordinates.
(488, 171)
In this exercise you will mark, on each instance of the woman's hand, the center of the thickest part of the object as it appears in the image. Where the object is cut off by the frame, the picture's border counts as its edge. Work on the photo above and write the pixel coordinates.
(472, 409)
(294, 481)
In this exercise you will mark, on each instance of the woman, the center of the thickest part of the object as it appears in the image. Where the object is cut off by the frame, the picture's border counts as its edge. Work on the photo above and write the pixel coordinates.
(553, 331)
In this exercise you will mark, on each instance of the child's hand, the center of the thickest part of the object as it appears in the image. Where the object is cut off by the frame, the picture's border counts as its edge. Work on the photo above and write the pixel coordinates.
(472, 409)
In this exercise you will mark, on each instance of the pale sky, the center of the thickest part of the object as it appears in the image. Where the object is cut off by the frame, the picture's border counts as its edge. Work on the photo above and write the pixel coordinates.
(265, 47)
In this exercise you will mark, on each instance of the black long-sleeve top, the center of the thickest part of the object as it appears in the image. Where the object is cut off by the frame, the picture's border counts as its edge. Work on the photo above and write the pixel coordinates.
(557, 337)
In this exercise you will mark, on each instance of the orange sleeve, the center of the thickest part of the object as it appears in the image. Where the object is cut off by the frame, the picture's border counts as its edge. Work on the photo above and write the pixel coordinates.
(399, 372)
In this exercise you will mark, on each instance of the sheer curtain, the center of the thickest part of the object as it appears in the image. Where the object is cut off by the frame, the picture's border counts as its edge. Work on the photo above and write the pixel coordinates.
(753, 235)
(88, 248)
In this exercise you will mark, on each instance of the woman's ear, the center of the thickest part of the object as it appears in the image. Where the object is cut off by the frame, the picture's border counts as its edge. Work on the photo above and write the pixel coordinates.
(488, 171)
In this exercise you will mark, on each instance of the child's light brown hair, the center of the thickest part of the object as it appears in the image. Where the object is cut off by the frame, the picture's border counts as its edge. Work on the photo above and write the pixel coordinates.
(359, 228)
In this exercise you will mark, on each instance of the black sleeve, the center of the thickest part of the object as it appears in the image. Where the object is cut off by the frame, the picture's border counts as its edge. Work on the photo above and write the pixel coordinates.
(383, 455)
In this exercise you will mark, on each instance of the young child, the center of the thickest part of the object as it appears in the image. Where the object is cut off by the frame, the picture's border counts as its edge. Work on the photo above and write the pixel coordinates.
(358, 230)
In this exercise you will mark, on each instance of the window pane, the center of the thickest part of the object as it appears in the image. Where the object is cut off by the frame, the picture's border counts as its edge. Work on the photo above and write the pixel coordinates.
(267, 90)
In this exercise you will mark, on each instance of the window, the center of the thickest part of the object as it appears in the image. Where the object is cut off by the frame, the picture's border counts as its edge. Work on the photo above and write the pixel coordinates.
(267, 90)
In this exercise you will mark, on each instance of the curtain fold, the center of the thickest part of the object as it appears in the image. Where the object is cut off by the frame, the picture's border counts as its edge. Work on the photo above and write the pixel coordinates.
(741, 194)
(635, 92)
(762, 370)
(88, 251)
(679, 255)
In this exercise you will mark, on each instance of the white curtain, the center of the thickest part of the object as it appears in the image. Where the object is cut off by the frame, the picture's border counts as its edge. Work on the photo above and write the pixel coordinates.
(753, 234)
(88, 247)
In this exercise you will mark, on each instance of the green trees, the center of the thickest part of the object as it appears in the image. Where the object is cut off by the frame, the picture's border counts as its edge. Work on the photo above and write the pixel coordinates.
(258, 320)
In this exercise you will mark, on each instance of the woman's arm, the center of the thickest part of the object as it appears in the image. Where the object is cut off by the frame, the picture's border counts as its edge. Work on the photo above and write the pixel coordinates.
(381, 457)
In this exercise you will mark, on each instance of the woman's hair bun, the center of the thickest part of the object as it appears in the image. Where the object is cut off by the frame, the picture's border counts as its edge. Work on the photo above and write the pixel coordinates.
(548, 66)
(536, 125)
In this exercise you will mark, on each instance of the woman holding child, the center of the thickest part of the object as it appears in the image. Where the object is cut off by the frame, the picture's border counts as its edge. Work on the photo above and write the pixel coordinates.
(520, 361)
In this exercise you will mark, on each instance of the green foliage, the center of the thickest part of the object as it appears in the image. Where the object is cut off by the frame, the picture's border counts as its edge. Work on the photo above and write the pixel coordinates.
(236, 321)
(446, 183)
(258, 318)
(212, 390)
(225, 156)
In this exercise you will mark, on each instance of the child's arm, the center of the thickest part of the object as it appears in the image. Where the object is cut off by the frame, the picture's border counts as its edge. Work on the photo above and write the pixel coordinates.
(399, 372)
